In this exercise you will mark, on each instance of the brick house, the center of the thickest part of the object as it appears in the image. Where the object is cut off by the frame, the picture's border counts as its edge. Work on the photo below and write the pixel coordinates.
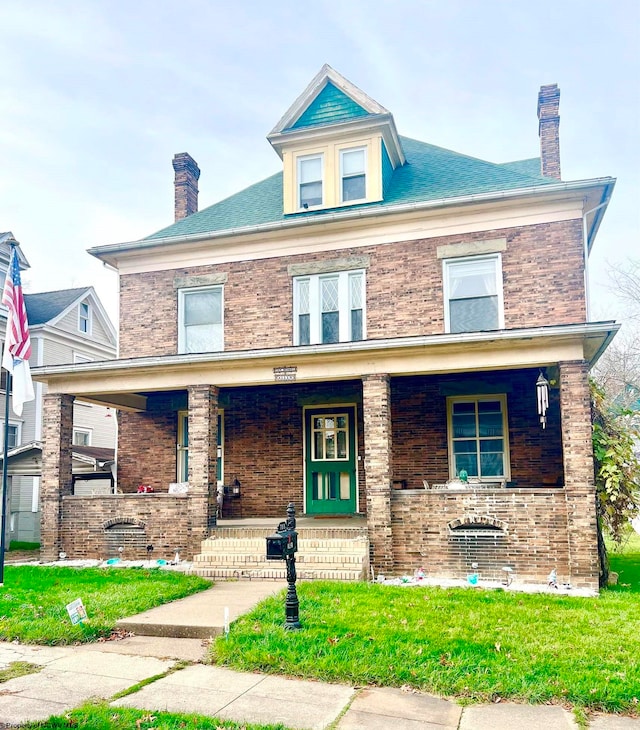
(361, 333)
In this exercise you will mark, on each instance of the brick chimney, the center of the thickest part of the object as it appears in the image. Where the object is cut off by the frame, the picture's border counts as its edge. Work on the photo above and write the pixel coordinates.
(186, 185)
(549, 130)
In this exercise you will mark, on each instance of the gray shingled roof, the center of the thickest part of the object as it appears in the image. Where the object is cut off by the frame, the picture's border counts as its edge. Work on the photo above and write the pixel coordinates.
(45, 306)
(431, 173)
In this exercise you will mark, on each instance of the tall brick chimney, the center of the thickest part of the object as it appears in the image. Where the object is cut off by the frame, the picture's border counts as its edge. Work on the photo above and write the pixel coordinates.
(549, 130)
(186, 185)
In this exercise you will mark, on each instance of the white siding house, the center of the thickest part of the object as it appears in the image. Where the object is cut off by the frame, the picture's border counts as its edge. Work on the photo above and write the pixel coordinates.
(66, 326)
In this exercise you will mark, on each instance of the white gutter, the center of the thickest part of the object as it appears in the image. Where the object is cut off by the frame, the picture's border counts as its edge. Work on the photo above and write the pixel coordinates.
(364, 212)
(608, 328)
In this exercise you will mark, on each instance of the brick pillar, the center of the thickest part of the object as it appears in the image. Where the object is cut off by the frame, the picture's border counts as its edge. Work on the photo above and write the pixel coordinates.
(376, 401)
(187, 174)
(549, 130)
(57, 480)
(203, 452)
(577, 450)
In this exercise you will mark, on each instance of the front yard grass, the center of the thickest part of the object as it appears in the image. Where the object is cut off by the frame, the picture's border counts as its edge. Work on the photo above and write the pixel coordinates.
(479, 645)
(101, 716)
(33, 600)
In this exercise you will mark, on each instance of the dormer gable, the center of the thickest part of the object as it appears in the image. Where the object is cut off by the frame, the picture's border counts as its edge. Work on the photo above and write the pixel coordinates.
(339, 147)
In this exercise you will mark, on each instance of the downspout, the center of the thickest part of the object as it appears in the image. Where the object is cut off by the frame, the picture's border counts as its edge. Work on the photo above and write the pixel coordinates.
(586, 255)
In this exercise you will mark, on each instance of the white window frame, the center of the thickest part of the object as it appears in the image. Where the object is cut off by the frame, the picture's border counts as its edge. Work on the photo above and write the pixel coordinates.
(502, 398)
(299, 162)
(88, 319)
(449, 264)
(87, 431)
(182, 335)
(315, 305)
(78, 358)
(182, 451)
(344, 152)
(18, 427)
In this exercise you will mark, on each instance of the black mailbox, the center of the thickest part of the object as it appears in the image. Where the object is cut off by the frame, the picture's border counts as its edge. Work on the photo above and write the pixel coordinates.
(282, 544)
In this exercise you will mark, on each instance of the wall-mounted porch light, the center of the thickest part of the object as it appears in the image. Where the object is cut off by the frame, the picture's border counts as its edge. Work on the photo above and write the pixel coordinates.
(542, 396)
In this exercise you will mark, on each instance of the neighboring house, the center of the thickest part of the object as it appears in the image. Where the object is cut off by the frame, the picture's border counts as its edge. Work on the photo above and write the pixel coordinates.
(65, 326)
(362, 334)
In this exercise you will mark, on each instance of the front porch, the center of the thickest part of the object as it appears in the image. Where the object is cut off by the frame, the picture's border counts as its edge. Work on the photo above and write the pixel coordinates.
(342, 446)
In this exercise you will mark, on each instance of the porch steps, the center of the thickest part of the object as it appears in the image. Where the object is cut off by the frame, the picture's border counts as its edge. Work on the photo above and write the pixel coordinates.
(323, 554)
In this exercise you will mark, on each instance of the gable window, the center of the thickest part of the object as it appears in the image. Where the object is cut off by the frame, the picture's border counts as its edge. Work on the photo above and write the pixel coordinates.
(473, 294)
(81, 437)
(84, 317)
(353, 179)
(200, 313)
(310, 181)
(478, 441)
(329, 308)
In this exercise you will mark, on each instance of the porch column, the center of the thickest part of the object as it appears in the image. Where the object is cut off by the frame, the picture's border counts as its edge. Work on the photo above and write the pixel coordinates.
(577, 450)
(57, 479)
(203, 452)
(376, 402)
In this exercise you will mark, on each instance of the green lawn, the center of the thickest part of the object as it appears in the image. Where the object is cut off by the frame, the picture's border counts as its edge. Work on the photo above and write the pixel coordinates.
(469, 643)
(100, 716)
(33, 600)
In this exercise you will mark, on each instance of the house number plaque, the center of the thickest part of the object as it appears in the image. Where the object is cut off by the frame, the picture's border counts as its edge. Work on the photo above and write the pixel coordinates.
(287, 372)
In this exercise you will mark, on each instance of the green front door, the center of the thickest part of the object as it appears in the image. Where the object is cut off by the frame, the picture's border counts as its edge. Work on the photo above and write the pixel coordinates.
(330, 457)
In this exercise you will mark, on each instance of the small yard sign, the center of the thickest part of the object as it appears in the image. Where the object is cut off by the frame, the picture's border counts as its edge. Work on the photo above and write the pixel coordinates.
(76, 610)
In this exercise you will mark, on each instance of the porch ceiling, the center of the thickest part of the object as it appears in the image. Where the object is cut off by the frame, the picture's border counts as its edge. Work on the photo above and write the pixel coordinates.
(125, 383)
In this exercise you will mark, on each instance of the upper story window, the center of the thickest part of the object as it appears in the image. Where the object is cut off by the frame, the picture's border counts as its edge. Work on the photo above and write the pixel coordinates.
(200, 320)
(353, 177)
(13, 435)
(78, 358)
(329, 308)
(310, 170)
(84, 317)
(478, 441)
(473, 294)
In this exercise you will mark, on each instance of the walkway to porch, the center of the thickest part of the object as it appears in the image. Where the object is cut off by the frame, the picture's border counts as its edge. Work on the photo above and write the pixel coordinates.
(333, 548)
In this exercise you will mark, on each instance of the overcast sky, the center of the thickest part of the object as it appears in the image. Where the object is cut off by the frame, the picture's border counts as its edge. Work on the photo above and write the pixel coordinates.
(96, 98)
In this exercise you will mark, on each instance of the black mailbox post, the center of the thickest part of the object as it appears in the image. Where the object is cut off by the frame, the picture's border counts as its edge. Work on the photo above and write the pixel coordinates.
(283, 545)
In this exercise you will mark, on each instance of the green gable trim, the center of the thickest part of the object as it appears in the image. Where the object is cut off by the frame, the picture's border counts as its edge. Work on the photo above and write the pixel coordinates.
(330, 106)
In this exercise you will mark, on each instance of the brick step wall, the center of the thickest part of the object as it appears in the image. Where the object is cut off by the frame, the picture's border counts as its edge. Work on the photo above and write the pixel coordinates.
(324, 554)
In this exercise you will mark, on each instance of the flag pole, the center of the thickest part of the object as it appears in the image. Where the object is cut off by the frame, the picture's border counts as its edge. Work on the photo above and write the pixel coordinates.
(5, 494)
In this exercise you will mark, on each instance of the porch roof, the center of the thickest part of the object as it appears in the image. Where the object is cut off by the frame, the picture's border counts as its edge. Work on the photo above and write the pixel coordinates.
(125, 383)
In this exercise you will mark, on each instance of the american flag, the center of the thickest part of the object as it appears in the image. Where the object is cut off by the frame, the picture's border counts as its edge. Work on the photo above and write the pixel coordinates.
(17, 346)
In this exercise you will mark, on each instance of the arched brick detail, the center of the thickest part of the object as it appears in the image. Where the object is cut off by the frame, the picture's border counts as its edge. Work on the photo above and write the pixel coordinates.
(484, 520)
(123, 521)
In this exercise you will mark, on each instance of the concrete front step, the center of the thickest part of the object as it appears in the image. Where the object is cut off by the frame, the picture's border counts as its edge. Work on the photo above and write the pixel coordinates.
(323, 554)
(279, 573)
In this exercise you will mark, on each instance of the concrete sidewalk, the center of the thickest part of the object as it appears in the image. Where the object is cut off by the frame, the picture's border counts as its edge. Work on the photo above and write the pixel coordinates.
(72, 675)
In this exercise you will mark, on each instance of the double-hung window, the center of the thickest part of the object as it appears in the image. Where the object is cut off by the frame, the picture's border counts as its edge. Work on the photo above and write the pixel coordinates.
(13, 435)
(329, 308)
(478, 441)
(81, 437)
(200, 317)
(473, 294)
(353, 179)
(310, 181)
